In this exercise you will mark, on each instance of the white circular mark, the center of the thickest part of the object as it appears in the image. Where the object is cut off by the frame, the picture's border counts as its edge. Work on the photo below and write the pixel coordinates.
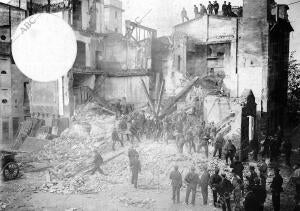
(44, 47)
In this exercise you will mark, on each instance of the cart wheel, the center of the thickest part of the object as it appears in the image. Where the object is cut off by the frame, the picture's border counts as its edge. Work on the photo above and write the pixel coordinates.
(10, 171)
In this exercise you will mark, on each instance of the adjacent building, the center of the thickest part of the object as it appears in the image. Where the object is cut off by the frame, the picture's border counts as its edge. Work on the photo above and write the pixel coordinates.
(14, 100)
(249, 51)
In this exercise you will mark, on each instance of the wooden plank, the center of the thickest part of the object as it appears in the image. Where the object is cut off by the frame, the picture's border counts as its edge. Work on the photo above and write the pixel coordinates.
(162, 87)
(148, 97)
(184, 91)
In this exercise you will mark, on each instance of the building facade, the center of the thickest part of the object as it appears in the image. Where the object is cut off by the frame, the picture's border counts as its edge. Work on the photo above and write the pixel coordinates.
(14, 104)
(113, 16)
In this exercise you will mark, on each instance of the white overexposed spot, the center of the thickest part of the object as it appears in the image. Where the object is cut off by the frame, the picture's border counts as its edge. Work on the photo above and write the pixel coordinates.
(44, 47)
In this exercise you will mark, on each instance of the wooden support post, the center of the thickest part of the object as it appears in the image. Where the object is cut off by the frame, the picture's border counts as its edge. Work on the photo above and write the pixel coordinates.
(158, 105)
(148, 97)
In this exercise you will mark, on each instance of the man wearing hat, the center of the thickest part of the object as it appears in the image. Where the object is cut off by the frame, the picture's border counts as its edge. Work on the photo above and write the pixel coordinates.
(225, 190)
(260, 193)
(204, 182)
(176, 183)
(276, 187)
(215, 181)
(251, 178)
(192, 180)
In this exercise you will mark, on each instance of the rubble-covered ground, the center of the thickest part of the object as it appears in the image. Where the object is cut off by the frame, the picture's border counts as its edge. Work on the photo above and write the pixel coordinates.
(57, 177)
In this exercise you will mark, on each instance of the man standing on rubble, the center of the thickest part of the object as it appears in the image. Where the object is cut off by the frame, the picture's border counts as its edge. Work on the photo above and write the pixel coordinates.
(196, 11)
(276, 187)
(251, 178)
(184, 15)
(237, 167)
(229, 151)
(115, 138)
(225, 190)
(192, 180)
(124, 108)
(97, 162)
(135, 167)
(204, 182)
(224, 9)
(132, 154)
(219, 145)
(260, 193)
(215, 181)
(210, 8)
(176, 183)
(216, 7)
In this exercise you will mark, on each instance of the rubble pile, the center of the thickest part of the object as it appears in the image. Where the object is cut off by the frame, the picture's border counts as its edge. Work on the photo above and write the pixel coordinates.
(70, 155)
(141, 203)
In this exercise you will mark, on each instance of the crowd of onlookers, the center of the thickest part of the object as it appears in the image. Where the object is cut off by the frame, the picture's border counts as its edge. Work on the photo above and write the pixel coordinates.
(212, 9)
(247, 191)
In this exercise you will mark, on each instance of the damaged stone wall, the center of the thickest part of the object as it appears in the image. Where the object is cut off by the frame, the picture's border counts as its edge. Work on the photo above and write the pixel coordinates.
(129, 54)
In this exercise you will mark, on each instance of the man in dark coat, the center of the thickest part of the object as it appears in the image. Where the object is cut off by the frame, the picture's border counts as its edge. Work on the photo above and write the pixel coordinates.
(97, 162)
(216, 7)
(176, 183)
(204, 182)
(266, 147)
(225, 190)
(215, 181)
(276, 187)
(224, 9)
(251, 178)
(115, 138)
(210, 8)
(192, 180)
(251, 203)
(135, 167)
(237, 167)
(219, 145)
(132, 154)
(260, 193)
(229, 151)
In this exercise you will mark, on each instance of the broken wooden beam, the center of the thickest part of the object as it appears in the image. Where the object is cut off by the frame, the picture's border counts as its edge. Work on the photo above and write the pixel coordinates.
(183, 92)
(158, 106)
(151, 104)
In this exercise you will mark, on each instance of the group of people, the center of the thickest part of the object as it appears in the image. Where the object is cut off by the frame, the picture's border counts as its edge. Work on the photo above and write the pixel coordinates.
(212, 9)
(249, 195)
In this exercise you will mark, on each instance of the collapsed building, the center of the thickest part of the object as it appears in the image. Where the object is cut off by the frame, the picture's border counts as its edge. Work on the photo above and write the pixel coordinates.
(108, 66)
(234, 54)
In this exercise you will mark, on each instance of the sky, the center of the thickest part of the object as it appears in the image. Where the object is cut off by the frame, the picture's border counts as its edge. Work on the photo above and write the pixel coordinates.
(166, 13)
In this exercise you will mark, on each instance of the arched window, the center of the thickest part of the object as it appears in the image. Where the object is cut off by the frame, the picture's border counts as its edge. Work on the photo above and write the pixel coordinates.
(4, 101)
(3, 72)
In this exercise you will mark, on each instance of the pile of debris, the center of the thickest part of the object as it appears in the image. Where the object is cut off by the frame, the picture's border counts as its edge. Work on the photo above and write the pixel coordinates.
(135, 202)
(71, 154)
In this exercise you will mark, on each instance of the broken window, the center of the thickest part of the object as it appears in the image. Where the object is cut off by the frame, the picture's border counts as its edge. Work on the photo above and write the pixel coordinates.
(81, 54)
(216, 55)
(4, 101)
(77, 14)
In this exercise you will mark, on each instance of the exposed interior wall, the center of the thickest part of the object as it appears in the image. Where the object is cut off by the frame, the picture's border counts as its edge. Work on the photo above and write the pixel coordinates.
(121, 55)
(113, 16)
(129, 87)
